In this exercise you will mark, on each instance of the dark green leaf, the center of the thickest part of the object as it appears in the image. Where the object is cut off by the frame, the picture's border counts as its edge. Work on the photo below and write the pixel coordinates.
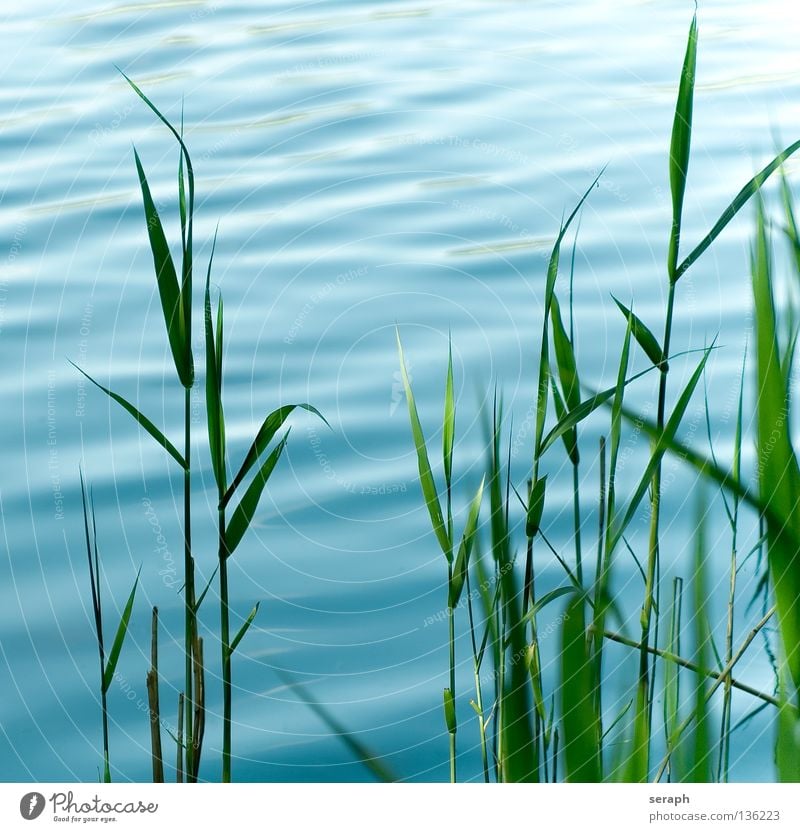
(680, 145)
(749, 190)
(140, 418)
(271, 425)
(119, 638)
(425, 474)
(167, 280)
(244, 628)
(533, 519)
(244, 512)
(647, 341)
(214, 413)
(465, 549)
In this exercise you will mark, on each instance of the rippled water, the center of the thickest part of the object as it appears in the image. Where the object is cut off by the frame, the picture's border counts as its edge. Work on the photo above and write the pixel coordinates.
(370, 164)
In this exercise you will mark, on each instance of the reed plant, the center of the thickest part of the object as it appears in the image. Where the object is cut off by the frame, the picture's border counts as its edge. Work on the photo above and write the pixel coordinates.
(569, 731)
(175, 293)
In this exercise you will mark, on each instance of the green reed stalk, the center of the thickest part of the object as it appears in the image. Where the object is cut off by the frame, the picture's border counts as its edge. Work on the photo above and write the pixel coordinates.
(108, 661)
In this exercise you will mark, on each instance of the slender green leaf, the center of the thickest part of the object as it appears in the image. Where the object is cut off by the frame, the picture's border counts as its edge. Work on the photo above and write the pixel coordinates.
(140, 418)
(425, 474)
(271, 425)
(465, 548)
(533, 518)
(663, 440)
(203, 594)
(371, 761)
(214, 412)
(779, 473)
(544, 357)
(119, 638)
(449, 421)
(645, 338)
(680, 145)
(548, 599)
(167, 280)
(570, 435)
(749, 190)
(565, 359)
(243, 515)
(244, 628)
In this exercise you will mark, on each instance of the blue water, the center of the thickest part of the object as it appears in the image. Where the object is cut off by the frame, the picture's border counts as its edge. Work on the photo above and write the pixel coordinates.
(370, 164)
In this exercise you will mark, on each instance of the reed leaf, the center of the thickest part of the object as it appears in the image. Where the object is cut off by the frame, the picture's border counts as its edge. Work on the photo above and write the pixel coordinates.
(465, 548)
(244, 628)
(423, 463)
(140, 418)
(580, 723)
(167, 279)
(119, 638)
(680, 145)
(269, 428)
(644, 337)
(243, 514)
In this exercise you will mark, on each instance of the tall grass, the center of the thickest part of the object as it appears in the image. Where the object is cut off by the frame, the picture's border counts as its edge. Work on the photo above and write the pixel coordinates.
(175, 295)
(575, 731)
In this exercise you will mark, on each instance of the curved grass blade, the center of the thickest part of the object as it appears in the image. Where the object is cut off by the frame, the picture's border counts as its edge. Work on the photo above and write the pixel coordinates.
(423, 463)
(645, 338)
(244, 628)
(663, 440)
(374, 764)
(119, 638)
(271, 425)
(167, 280)
(565, 358)
(465, 549)
(214, 412)
(535, 509)
(244, 512)
(548, 599)
(749, 190)
(205, 590)
(779, 473)
(570, 435)
(544, 356)
(680, 146)
(186, 208)
(140, 418)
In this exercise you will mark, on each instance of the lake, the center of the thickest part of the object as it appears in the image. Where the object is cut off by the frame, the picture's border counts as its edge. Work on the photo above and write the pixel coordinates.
(370, 165)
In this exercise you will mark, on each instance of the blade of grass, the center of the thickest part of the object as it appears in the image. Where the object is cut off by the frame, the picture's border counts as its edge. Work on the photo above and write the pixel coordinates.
(119, 638)
(243, 514)
(140, 418)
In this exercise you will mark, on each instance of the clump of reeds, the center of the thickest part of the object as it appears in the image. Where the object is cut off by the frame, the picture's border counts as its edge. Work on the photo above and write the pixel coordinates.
(542, 735)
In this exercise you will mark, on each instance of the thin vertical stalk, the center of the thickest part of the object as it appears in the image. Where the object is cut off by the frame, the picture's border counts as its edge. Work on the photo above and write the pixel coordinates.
(451, 717)
(644, 704)
(189, 602)
(224, 610)
(576, 515)
(477, 660)
(155, 710)
(179, 737)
